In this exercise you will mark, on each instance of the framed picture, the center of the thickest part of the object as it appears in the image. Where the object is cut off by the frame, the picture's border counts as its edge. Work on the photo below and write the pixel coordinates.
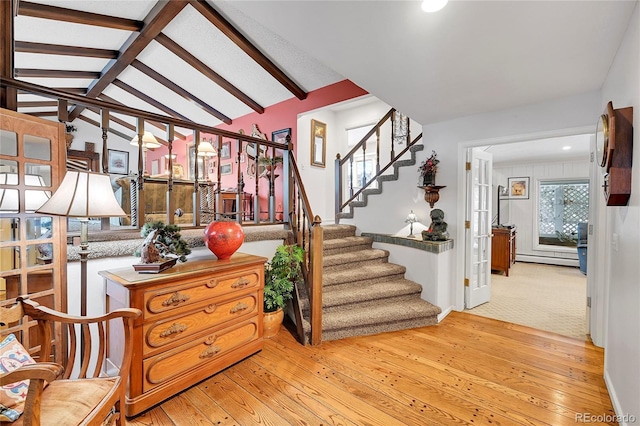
(281, 135)
(118, 162)
(318, 143)
(226, 150)
(178, 171)
(226, 169)
(518, 188)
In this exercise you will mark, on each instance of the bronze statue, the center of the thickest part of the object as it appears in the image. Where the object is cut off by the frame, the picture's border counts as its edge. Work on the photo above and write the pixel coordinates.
(438, 229)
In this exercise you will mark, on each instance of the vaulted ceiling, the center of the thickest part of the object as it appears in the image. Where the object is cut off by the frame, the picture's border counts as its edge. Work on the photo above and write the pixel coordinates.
(213, 61)
(183, 59)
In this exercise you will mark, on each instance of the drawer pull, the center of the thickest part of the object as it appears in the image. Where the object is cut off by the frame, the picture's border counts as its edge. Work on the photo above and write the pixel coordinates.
(213, 283)
(210, 308)
(176, 299)
(174, 329)
(211, 340)
(240, 306)
(240, 283)
(209, 352)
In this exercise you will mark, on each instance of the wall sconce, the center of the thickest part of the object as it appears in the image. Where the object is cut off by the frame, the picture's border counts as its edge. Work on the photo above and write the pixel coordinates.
(411, 219)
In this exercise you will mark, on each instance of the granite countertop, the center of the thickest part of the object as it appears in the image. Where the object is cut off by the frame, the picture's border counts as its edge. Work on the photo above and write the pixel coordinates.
(416, 243)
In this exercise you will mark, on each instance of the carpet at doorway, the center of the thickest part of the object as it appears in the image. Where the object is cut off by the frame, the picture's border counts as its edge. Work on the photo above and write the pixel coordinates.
(547, 297)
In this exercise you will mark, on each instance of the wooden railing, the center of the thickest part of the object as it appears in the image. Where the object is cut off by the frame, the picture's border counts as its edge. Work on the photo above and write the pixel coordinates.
(400, 133)
(307, 233)
(208, 204)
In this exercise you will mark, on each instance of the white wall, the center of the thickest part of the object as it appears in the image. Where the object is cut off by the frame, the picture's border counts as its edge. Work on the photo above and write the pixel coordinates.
(523, 213)
(622, 347)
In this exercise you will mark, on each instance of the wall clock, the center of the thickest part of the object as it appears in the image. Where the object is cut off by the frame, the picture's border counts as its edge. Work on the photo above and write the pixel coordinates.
(614, 152)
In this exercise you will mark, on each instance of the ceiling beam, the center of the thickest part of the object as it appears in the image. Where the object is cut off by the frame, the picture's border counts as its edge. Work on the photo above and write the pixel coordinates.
(243, 43)
(140, 66)
(157, 124)
(77, 17)
(37, 104)
(95, 123)
(200, 66)
(56, 49)
(148, 99)
(162, 13)
(26, 73)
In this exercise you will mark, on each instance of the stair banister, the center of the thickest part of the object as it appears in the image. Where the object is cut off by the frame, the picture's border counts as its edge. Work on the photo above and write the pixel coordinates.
(308, 234)
(361, 146)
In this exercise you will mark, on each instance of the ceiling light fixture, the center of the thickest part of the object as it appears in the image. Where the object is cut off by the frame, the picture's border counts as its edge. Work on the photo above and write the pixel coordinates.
(433, 5)
(566, 148)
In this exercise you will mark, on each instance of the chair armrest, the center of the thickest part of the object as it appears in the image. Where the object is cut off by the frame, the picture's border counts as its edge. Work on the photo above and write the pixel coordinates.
(48, 371)
(37, 311)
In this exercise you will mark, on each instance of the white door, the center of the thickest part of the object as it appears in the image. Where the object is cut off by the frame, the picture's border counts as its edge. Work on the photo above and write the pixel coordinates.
(478, 228)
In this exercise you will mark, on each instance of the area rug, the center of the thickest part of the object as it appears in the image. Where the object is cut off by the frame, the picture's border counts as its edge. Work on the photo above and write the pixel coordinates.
(546, 297)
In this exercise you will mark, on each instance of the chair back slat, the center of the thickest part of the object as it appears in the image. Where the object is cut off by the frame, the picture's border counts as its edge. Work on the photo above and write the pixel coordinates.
(85, 351)
(70, 331)
(97, 372)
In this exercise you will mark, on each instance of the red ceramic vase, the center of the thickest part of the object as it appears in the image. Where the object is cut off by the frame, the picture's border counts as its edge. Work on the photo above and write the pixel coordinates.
(223, 238)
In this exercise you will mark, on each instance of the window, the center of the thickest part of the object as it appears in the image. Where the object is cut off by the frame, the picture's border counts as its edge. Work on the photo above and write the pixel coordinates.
(562, 206)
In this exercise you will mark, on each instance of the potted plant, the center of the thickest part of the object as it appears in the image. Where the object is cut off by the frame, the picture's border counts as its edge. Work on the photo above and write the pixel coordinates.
(162, 248)
(281, 273)
(428, 169)
(69, 129)
(270, 162)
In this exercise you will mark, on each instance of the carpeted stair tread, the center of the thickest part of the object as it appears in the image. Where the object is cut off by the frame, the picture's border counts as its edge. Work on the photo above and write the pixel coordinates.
(362, 292)
(379, 317)
(349, 260)
(346, 244)
(331, 232)
(374, 272)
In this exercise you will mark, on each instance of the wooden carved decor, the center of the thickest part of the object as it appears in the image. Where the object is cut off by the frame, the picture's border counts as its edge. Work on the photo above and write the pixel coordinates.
(614, 152)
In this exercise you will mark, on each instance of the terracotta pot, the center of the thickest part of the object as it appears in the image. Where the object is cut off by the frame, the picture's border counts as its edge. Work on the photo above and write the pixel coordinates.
(271, 323)
(223, 238)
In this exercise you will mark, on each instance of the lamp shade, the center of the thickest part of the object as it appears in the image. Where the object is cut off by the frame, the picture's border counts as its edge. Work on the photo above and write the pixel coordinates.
(148, 141)
(83, 194)
(411, 218)
(205, 149)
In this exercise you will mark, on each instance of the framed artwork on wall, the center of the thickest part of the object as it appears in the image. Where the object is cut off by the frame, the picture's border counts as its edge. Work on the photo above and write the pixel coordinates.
(318, 143)
(281, 135)
(226, 150)
(226, 169)
(118, 162)
(518, 188)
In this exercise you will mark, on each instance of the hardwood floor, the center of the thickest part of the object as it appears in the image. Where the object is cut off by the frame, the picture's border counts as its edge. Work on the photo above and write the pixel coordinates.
(466, 370)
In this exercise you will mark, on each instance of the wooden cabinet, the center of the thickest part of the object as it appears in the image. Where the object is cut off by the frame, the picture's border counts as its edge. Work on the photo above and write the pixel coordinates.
(503, 249)
(198, 318)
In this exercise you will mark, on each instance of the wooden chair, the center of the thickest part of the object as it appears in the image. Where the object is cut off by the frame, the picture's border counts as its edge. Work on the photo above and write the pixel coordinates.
(94, 399)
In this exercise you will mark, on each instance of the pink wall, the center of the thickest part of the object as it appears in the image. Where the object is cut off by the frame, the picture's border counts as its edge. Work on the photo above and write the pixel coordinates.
(276, 117)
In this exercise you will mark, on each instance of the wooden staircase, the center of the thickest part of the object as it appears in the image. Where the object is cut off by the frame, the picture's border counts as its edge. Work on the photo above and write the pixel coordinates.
(363, 293)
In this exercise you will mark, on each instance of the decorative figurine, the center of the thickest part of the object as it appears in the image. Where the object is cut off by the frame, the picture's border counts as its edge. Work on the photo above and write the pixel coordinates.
(438, 229)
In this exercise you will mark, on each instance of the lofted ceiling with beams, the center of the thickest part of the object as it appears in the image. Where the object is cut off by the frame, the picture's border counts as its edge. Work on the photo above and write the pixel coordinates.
(212, 61)
(185, 59)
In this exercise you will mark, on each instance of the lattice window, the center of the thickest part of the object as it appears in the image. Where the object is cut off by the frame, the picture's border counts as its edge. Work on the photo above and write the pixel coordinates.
(562, 206)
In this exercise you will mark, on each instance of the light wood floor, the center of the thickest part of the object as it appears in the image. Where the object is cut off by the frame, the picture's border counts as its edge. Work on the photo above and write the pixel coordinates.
(466, 370)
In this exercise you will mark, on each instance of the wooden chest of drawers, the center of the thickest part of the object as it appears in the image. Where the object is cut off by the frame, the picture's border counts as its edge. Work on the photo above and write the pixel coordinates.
(198, 318)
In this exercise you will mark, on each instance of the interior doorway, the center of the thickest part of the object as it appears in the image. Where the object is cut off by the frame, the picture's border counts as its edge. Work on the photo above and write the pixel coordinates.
(528, 296)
